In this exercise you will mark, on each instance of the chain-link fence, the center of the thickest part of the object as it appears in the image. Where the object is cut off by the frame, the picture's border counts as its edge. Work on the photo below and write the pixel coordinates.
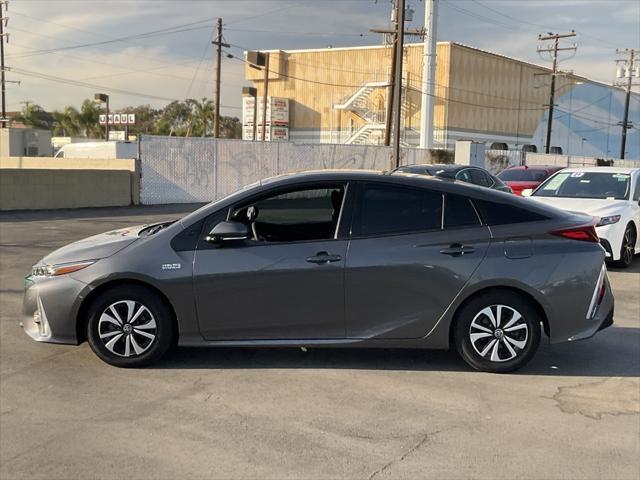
(185, 170)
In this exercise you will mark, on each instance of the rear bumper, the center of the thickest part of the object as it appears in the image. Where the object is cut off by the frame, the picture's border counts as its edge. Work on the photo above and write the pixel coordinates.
(601, 319)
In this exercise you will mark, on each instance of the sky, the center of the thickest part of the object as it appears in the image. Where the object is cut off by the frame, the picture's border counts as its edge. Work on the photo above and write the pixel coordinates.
(155, 51)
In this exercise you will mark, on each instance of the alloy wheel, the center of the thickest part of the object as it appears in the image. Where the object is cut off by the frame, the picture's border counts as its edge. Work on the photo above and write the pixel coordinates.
(498, 333)
(628, 246)
(127, 328)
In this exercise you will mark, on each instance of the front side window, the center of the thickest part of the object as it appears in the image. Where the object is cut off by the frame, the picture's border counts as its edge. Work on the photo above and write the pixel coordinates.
(586, 185)
(298, 215)
(636, 195)
(390, 209)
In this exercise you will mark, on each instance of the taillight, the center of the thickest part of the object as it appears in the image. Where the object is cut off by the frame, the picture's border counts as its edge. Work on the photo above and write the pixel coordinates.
(584, 233)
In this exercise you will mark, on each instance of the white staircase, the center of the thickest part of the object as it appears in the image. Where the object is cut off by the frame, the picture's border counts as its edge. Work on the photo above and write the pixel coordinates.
(360, 103)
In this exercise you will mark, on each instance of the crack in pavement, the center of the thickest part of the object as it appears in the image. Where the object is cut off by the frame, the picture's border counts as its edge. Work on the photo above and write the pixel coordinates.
(425, 438)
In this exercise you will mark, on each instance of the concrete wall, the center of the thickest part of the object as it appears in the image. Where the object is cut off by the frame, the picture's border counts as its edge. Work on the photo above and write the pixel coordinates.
(575, 161)
(46, 183)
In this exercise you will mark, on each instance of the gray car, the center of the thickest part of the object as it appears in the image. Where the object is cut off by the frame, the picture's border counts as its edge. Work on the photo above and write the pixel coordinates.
(333, 258)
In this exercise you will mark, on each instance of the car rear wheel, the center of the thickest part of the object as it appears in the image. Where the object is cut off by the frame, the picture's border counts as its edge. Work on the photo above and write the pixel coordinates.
(628, 248)
(130, 326)
(497, 332)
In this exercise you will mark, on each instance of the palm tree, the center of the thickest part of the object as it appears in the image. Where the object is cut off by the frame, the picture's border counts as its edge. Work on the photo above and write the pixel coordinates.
(66, 122)
(200, 118)
(88, 119)
(33, 115)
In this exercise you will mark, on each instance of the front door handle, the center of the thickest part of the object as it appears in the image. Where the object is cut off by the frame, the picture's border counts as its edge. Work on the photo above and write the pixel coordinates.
(457, 250)
(322, 258)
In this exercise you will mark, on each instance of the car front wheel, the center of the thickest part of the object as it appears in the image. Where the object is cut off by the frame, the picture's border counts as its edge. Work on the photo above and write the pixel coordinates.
(497, 332)
(130, 326)
(628, 248)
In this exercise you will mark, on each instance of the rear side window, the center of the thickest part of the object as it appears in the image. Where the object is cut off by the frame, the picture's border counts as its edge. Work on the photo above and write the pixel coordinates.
(459, 212)
(389, 209)
(504, 214)
(478, 177)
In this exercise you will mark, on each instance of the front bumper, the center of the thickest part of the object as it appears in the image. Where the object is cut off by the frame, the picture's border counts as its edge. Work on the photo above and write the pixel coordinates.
(50, 307)
(611, 239)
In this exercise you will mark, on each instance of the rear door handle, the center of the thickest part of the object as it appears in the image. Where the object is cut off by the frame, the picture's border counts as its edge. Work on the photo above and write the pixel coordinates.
(321, 258)
(457, 250)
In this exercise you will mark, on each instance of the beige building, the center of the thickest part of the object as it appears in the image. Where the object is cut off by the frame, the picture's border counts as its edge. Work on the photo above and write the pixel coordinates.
(338, 95)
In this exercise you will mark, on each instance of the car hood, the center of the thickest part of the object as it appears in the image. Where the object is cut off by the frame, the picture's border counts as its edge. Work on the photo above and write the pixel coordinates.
(598, 207)
(93, 248)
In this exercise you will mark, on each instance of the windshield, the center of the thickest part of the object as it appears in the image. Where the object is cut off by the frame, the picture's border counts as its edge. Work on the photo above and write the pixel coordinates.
(586, 185)
(522, 175)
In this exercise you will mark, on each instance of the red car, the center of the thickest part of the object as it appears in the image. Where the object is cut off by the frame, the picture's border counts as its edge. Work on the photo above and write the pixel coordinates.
(526, 176)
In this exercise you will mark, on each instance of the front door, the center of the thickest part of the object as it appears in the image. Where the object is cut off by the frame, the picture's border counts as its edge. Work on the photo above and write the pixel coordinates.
(287, 281)
(407, 261)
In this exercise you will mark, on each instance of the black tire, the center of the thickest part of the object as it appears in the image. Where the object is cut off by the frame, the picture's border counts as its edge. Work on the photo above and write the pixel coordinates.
(527, 337)
(627, 250)
(157, 320)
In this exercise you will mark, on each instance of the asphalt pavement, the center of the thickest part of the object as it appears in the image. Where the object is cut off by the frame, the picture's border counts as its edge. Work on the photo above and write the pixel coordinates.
(573, 412)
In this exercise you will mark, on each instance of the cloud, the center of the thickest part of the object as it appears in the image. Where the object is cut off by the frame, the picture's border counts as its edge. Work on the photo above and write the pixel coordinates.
(181, 65)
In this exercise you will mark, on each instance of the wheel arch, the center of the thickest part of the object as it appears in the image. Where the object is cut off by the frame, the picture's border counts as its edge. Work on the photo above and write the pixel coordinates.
(82, 319)
(534, 302)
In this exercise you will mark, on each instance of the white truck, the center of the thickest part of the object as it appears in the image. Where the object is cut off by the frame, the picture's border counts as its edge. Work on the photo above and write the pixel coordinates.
(112, 149)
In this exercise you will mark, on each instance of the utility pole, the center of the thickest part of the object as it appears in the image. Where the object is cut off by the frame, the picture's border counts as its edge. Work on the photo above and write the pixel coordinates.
(265, 96)
(628, 70)
(390, 89)
(216, 107)
(3, 86)
(394, 101)
(554, 71)
(429, 73)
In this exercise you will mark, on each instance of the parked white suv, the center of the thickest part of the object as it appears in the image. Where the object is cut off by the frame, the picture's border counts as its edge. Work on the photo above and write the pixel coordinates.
(610, 193)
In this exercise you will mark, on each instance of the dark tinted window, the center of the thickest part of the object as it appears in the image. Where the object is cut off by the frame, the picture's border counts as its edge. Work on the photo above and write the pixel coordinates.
(458, 212)
(502, 214)
(522, 175)
(478, 177)
(464, 175)
(390, 209)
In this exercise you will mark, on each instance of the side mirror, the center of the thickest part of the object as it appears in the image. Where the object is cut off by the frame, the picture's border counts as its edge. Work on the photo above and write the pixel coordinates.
(527, 192)
(228, 232)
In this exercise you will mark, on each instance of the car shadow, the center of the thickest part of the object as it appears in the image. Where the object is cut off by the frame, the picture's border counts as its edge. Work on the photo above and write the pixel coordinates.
(633, 268)
(614, 352)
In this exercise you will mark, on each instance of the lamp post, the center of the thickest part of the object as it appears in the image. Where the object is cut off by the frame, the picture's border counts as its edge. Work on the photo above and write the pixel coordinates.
(104, 98)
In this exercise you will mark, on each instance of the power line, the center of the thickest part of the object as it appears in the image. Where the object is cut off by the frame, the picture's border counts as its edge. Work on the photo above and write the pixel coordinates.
(78, 83)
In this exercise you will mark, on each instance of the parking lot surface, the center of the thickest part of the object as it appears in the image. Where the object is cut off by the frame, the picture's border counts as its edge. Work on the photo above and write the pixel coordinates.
(573, 412)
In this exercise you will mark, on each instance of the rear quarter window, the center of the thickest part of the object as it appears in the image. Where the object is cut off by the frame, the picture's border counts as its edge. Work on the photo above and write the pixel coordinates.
(494, 213)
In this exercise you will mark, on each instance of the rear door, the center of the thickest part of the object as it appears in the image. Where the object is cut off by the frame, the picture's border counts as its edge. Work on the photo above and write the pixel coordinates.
(407, 260)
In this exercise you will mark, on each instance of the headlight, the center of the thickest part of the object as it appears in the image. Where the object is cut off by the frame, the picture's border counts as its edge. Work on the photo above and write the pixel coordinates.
(608, 220)
(60, 269)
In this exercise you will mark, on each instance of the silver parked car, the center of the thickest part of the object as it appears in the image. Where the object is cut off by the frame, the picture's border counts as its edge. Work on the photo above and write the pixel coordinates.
(338, 258)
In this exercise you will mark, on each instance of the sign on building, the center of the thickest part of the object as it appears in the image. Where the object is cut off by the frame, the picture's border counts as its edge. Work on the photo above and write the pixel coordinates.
(118, 119)
(277, 118)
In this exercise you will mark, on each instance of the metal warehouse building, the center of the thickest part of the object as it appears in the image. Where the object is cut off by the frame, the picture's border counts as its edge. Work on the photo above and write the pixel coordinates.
(338, 95)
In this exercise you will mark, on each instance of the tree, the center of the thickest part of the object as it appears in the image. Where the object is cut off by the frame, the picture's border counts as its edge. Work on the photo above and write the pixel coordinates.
(174, 119)
(146, 119)
(230, 127)
(32, 115)
(200, 117)
(66, 122)
(89, 119)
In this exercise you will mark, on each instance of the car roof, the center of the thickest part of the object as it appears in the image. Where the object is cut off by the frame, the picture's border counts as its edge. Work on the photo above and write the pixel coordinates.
(535, 167)
(450, 167)
(602, 169)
